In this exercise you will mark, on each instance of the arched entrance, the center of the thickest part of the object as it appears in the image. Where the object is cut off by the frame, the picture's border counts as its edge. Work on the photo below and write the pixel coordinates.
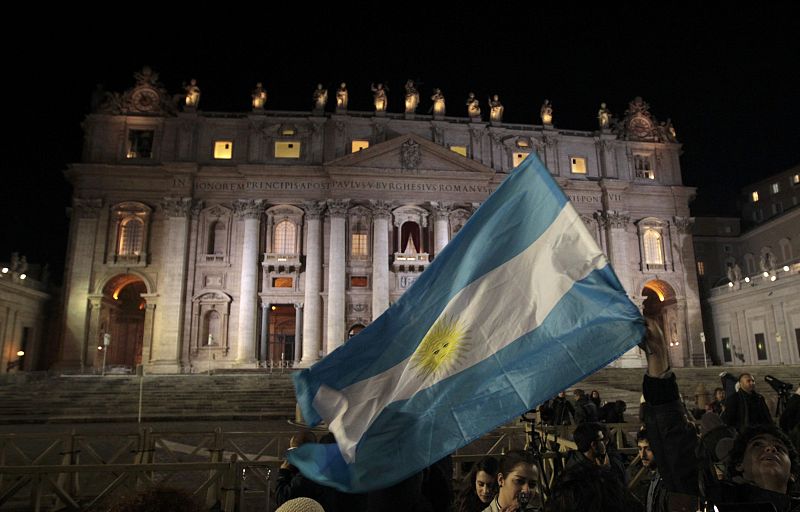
(122, 316)
(282, 325)
(661, 304)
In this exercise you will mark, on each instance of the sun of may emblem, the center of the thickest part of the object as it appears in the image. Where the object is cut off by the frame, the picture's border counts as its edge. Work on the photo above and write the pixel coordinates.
(440, 349)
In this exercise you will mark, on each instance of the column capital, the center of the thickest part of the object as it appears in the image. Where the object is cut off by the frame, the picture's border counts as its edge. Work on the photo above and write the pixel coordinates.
(176, 206)
(381, 209)
(313, 209)
(298, 305)
(616, 219)
(683, 224)
(249, 208)
(441, 209)
(337, 208)
(87, 208)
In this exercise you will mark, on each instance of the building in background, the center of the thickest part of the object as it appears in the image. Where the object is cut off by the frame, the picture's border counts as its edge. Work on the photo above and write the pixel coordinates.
(233, 240)
(749, 270)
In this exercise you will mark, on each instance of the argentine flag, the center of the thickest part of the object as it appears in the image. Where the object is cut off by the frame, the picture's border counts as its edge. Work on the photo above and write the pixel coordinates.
(520, 305)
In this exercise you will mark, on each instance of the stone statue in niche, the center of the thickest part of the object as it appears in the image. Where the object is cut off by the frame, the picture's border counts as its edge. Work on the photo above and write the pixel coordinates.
(473, 107)
(259, 96)
(320, 97)
(342, 97)
(495, 109)
(546, 112)
(379, 97)
(412, 97)
(603, 117)
(767, 265)
(438, 102)
(192, 94)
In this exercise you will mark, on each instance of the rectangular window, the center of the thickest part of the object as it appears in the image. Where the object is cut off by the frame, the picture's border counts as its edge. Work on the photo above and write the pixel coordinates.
(761, 347)
(520, 156)
(796, 179)
(358, 246)
(701, 268)
(223, 150)
(282, 282)
(643, 167)
(358, 281)
(461, 150)
(776, 188)
(754, 196)
(578, 165)
(358, 145)
(287, 149)
(140, 143)
(726, 350)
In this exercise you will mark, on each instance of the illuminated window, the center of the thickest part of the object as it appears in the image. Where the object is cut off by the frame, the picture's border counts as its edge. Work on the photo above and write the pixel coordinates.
(358, 145)
(282, 282)
(520, 156)
(358, 281)
(223, 150)
(796, 179)
(358, 241)
(140, 143)
(653, 248)
(726, 350)
(701, 268)
(287, 149)
(754, 196)
(761, 347)
(523, 144)
(578, 165)
(130, 236)
(776, 187)
(288, 132)
(461, 150)
(284, 239)
(643, 167)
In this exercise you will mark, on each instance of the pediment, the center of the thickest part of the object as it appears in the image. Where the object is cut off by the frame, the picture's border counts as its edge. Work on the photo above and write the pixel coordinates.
(408, 154)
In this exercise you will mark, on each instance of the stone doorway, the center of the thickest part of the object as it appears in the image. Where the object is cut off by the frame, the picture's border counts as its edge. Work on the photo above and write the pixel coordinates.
(122, 314)
(661, 304)
(281, 332)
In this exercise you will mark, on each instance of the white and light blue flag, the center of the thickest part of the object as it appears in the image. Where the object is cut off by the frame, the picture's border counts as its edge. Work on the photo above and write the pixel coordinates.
(520, 305)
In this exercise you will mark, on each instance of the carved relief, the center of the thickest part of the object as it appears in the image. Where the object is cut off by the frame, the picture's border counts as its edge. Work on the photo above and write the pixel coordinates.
(618, 220)
(313, 209)
(381, 209)
(410, 155)
(338, 207)
(441, 210)
(249, 208)
(147, 96)
(176, 206)
(683, 224)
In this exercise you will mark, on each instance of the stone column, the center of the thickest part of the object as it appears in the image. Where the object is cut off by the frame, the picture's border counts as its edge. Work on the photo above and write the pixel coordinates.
(264, 348)
(94, 340)
(85, 214)
(298, 330)
(691, 288)
(250, 211)
(381, 213)
(166, 347)
(441, 225)
(337, 211)
(312, 325)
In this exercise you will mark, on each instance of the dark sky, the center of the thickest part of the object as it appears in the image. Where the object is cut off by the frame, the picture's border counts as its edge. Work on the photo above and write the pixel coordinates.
(729, 80)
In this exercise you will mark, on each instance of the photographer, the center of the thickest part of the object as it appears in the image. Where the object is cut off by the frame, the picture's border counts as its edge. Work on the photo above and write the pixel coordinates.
(746, 407)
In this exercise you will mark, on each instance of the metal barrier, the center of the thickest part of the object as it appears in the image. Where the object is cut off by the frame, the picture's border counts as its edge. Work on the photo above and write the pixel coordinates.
(232, 469)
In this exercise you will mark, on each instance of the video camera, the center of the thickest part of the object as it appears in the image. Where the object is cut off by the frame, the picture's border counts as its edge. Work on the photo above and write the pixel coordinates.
(778, 385)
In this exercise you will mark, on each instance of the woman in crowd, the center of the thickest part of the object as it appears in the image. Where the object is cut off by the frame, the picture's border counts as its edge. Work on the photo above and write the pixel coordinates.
(479, 486)
(517, 482)
(595, 398)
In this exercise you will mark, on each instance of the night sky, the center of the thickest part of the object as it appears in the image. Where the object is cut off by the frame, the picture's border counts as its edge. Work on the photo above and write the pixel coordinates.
(729, 81)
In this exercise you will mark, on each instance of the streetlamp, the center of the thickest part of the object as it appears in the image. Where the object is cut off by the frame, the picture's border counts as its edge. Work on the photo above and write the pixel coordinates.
(18, 362)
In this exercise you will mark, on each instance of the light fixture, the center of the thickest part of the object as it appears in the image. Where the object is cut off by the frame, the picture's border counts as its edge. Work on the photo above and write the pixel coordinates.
(730, 285)
(273, 308)
(99, 347)
(746, 279)
(765, 274)
(773, 278)
(786, 268)
(20, 353)
(5, 270)
(23, 276)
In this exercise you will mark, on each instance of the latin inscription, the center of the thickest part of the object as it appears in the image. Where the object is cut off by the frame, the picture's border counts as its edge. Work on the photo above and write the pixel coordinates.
(336, 185)
(593, 198)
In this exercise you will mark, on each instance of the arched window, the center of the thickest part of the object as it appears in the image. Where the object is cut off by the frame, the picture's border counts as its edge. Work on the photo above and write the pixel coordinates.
(131, 230)
(410, 238)
(653, 247)
(211, 329)
(285, 235)
(216, 238)
(359, 239)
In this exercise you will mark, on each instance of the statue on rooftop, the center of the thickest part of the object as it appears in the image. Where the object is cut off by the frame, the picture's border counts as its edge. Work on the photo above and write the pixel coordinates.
(259, 96)
(192, 94)
(320, 97)
(473, 107)
(438, 102)
(495, 109)
(412, 97)
(603, 117)
(546, 112)
(379, 97)
(341, 97)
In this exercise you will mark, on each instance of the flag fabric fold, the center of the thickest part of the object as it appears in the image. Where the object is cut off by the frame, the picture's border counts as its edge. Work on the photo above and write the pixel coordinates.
(520, 305)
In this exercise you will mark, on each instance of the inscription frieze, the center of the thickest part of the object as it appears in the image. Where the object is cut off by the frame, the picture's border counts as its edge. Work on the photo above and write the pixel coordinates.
(337, 185)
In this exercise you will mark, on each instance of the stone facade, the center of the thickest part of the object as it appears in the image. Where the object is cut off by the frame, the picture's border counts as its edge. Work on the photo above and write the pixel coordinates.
(23, 311)
(750, 281)
(271, 237)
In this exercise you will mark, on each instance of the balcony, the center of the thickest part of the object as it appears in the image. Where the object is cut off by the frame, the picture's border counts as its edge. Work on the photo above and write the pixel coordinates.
(410, 262)
(283, 263)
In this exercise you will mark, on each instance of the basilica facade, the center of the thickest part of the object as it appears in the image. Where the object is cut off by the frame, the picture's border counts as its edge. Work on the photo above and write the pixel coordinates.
(205, 240)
